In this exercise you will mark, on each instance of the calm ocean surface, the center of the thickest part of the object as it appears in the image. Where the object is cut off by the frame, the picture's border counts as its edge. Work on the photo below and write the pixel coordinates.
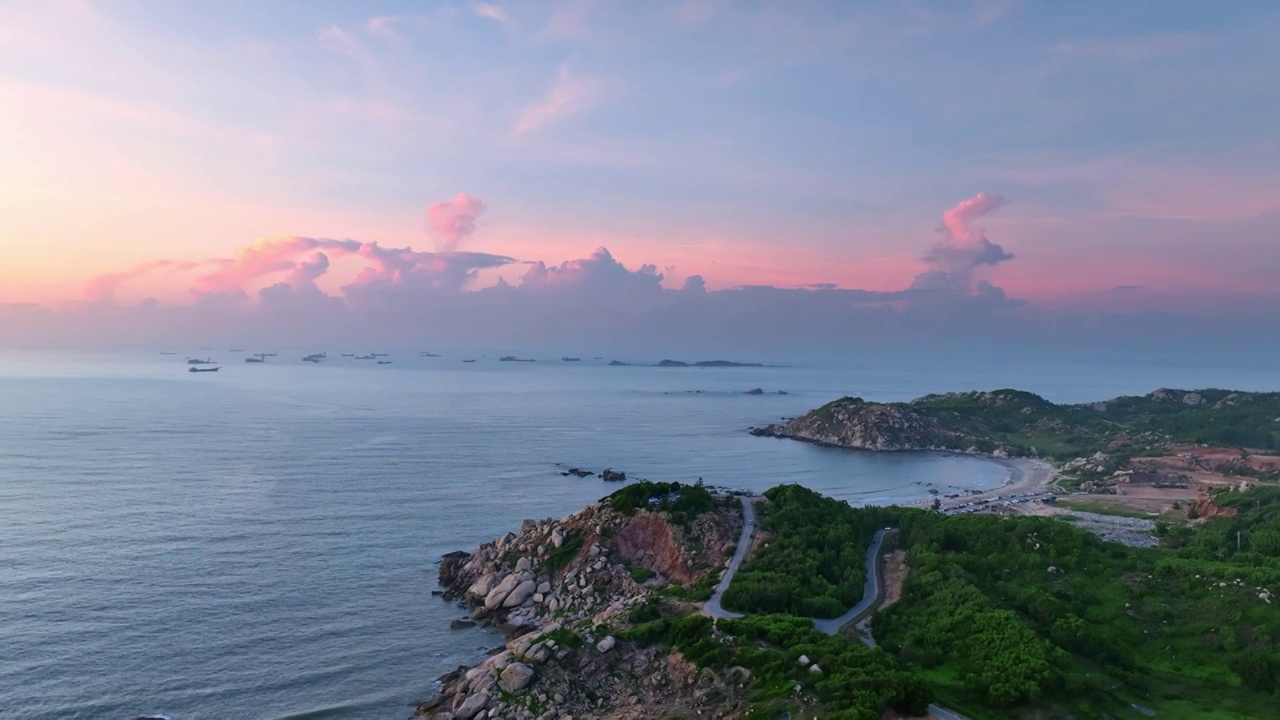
(261, 542)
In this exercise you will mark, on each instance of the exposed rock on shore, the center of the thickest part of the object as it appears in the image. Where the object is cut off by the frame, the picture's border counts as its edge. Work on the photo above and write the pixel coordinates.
(558, 588)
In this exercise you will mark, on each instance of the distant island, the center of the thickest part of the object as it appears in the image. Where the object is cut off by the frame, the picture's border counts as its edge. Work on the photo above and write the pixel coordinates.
(708, 364)
(699, 364)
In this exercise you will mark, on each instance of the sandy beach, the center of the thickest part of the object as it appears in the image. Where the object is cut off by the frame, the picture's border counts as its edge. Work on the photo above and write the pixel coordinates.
(1026, 475)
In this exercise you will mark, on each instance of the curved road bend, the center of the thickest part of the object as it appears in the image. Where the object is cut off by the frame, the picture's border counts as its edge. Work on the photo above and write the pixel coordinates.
(872, 590)
(713, 607)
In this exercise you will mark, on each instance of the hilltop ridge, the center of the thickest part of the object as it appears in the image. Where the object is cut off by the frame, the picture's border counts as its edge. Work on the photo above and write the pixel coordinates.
(1016, 423)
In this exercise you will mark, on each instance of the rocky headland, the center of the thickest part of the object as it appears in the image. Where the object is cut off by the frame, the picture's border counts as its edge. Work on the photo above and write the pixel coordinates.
(855, 423)
(1015, 423)
(1154, 450)
(561, 590)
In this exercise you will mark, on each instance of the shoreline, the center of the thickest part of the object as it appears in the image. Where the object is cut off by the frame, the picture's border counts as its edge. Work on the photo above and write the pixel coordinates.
(1026, 475)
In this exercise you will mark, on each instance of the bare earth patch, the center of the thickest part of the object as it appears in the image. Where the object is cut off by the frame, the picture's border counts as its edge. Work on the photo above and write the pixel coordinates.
(895, 575)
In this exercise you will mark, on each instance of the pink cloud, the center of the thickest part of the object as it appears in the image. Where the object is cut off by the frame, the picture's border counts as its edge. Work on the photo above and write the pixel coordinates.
(956, 220)
(599, 269)
(306, 272)
(963, 249)
(264, 257)
(454, 220)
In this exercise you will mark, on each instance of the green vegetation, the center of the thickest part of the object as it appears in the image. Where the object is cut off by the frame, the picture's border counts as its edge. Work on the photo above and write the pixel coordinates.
(698, 591)
(1001, 617)
(1025, 420)
(640, 573)
(814, 563)
(1010, 617)
(1022, 423)
(561, 556)
(683, 502)
(1252, 537)
(565, 637)
(855, 681)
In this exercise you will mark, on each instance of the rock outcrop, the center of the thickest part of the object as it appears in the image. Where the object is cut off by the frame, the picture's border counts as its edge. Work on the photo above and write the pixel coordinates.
(855, 423)
(558, 588)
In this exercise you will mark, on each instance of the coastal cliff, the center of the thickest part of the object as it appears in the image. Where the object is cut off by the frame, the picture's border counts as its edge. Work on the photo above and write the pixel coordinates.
(562, 589)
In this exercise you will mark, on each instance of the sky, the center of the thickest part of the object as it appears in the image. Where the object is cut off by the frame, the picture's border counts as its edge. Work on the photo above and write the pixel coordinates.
(712, 171)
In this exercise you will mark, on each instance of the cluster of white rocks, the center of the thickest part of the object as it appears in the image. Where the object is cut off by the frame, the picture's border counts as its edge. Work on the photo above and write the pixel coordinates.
(558, 589)
(514, 583)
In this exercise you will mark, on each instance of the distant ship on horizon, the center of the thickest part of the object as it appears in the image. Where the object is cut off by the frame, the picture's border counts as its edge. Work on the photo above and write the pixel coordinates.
(196, 369)
(513, 358)
(198, 361)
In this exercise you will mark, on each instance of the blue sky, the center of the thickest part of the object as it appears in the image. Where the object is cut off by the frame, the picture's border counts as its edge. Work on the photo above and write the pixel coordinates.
(749, 143)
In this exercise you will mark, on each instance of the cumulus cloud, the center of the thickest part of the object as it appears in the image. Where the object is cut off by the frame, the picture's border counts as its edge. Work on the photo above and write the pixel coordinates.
(600, 271)
(408, 268)
(306, 272)
(963, 249)
(299, 262)
(402, 293)
(694, 285)
(265, 256)
(452, 221)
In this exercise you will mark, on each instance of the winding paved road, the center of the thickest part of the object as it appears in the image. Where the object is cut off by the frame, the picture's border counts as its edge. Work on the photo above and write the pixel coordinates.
(713, 607)
(872, 590)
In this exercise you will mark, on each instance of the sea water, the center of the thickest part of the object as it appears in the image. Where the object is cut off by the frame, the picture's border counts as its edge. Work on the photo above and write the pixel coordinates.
(261, 542)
